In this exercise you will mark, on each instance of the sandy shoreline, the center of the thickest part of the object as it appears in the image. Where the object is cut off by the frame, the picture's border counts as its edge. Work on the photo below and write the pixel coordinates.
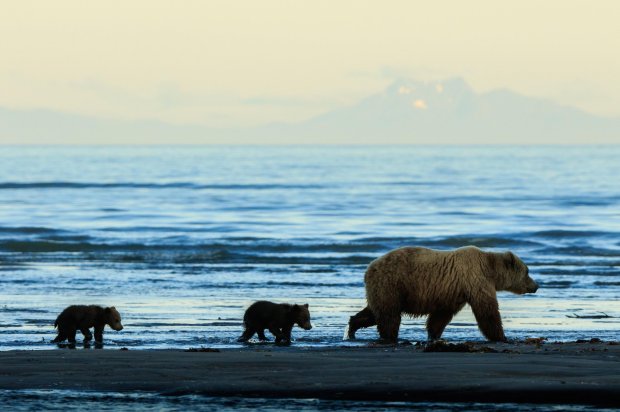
(582, 373)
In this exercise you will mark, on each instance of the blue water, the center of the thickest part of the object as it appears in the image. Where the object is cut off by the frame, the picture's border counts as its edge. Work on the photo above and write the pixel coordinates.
(182, 239)
(68, 401)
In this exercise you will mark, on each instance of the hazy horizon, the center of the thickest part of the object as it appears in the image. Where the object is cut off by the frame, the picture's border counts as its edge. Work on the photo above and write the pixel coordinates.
(245, 64)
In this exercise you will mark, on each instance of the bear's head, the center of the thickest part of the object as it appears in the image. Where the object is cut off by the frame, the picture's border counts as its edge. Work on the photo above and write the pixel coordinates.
(301, 314)
(512, 274)
(113, 318)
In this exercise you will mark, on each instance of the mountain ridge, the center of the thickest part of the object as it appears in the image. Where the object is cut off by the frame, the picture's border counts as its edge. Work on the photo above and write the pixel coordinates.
(405, 112)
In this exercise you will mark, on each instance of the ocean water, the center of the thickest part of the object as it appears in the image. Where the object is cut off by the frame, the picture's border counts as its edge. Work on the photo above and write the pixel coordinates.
(69, 401)
(182, 239)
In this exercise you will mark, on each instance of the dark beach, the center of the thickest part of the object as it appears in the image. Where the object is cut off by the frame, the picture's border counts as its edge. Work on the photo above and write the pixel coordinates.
(562, 373)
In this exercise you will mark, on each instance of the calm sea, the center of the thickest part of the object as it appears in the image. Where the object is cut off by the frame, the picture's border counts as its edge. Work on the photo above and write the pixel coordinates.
(182, 239)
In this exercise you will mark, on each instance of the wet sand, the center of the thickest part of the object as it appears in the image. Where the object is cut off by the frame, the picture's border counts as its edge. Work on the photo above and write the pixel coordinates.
(579, 373)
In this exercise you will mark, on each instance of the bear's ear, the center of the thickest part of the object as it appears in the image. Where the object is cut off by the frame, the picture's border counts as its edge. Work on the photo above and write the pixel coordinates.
(107, 310)
(511, 260)
(113, 308)
(306, 306)
(295, 307)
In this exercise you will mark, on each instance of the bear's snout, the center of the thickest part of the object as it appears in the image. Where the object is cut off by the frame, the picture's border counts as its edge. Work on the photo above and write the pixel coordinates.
(118, 327)
(532, 287)
(307, 326)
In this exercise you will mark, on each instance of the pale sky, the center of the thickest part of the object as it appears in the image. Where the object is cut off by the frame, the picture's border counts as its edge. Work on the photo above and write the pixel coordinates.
(231, 63)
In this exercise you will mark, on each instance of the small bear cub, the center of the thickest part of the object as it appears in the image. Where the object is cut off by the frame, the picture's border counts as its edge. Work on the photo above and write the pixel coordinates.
(82, 318)
(279, 318)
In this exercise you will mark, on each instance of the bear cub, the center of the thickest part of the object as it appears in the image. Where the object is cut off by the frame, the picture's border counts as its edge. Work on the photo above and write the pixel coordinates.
(82, 318)
(278, 318)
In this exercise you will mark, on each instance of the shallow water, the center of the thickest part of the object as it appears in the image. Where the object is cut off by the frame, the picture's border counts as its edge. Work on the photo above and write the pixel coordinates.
(182, 239)
(60, 400)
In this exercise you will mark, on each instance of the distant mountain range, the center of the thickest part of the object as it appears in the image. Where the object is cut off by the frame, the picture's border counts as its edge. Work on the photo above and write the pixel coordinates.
(407, 112)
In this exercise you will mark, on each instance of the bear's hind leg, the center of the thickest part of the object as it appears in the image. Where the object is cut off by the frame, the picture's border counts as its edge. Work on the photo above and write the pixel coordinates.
(87, 335)
(388, 325)
(246, 335)
(277, 333)
(261, 335)
(486, 311)
(60, 337)
(436, 323)
(439, 319)
(64, 331)
(363, 319)
(71, 336)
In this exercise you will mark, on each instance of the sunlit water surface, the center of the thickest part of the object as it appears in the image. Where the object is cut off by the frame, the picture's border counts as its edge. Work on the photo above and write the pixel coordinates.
(182, 239)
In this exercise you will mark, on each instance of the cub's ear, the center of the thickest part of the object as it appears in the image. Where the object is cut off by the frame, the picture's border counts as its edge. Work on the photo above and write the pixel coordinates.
(113, 308)
(306, 306)
(108, 310)
(295, 307)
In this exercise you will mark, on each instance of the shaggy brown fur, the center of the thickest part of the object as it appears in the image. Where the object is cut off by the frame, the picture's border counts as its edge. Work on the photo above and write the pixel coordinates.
(279, 318)
(82, 318)
(417, 281)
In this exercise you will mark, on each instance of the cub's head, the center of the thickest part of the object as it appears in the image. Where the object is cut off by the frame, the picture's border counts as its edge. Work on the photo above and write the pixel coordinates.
(301, 314)
(113, 318)
(513, 275)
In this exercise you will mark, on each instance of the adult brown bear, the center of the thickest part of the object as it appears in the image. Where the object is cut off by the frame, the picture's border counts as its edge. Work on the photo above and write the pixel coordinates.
(418, 281)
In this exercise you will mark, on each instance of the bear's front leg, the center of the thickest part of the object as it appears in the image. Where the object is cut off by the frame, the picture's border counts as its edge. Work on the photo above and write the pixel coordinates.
(486, 311)
(286, 333)
(99, 334)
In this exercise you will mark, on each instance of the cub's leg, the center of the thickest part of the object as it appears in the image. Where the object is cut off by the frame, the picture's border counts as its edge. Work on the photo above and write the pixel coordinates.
(286, 333)
(247, 334)
(62, 335)
(277, 333)
(99, 334)
(71, 336)
(86, 332)
(261, 335)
